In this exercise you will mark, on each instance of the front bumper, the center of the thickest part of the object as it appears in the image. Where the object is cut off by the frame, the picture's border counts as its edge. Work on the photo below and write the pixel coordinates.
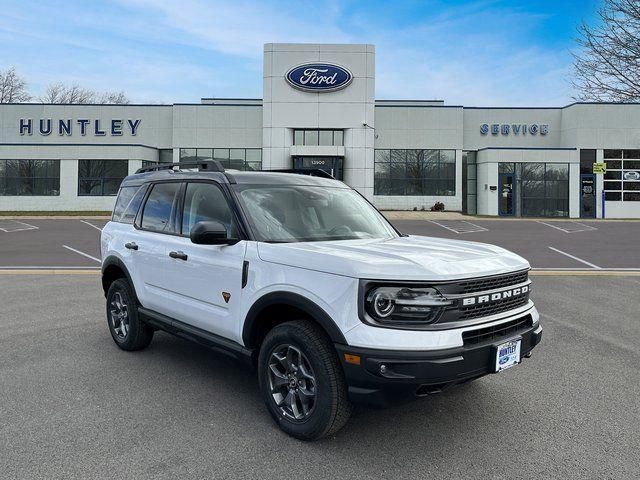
(410, 374)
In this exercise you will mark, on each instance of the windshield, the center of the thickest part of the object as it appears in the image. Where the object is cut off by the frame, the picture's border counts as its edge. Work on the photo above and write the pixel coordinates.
(291, 213)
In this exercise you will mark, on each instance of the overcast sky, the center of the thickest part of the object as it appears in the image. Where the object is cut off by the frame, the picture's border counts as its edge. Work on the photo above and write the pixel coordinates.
(474, 53)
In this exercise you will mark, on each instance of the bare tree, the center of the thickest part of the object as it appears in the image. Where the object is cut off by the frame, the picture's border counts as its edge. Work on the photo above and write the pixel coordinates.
(607, 67)
(75, 94)
(13, 89)
(119, 98)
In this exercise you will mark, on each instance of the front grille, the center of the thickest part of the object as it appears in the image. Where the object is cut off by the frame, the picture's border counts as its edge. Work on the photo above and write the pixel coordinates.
(491, 283)
(486, 309)
(497, 332)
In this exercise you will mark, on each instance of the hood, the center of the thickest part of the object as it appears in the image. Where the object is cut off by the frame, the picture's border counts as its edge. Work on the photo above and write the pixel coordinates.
(403, 258)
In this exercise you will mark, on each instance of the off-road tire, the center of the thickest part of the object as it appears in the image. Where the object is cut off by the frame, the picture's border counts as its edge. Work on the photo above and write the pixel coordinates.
(138, 334)
(332, 407)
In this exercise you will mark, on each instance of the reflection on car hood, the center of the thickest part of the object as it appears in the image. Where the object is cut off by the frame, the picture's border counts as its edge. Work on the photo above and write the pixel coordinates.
(404, 258)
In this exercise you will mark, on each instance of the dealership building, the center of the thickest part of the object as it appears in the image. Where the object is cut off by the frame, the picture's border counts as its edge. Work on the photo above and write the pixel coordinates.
(319, 111)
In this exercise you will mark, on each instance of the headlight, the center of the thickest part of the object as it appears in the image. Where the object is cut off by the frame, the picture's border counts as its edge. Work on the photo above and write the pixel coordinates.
(409, 305)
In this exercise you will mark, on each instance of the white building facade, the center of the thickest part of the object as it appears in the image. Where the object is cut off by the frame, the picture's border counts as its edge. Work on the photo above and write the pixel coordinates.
(319, 111)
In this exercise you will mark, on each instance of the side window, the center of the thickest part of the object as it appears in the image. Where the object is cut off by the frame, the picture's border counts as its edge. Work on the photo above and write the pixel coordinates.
(157, 211)
(127, 204)
(206, 202)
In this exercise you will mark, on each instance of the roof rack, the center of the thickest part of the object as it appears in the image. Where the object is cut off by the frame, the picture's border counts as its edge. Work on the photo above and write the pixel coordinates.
(312, 172)
(202, 166)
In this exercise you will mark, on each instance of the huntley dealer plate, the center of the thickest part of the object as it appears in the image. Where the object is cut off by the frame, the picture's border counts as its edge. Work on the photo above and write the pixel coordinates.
(507, 355)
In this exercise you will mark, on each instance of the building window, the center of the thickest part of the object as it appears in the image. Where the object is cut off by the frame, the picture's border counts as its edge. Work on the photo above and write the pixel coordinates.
(415, 172)
(622, 180)
(587, 159)
(30, 177)
(101, 177)
(469, 183)
(542, 189)
(232, 158)
(323, 138)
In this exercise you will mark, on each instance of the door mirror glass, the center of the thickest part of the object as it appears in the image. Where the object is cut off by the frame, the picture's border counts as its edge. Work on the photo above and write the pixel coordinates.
(210, 233)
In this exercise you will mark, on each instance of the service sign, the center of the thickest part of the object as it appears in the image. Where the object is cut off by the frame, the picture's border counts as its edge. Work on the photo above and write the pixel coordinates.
(319, 77)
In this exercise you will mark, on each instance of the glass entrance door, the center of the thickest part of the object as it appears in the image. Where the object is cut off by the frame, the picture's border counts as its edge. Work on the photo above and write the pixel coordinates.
(587, 195)
(506, 194)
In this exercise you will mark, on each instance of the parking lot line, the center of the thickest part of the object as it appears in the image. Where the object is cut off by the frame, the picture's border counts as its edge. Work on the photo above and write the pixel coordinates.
(474, 228)
(49, 271)
(83, 254)
(25, 226)
(585, 228)
(576, 258)
(91, 225)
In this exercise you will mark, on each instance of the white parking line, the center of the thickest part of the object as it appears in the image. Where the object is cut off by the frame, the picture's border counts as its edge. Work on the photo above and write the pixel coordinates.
(91, 225)
(25, 226)
(82, 253)
(474, 227)
(45, 267)
(576, 258)
(585, 228)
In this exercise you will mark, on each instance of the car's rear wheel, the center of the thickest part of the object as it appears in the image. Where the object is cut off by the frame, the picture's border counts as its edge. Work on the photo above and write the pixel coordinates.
(126, 328)
(302, 381)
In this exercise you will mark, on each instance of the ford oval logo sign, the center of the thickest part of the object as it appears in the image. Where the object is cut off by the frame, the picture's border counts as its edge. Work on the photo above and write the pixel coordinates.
(319, 77)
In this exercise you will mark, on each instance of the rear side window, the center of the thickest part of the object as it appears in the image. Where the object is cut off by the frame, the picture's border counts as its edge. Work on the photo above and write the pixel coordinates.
(157, 211)
(128, 204)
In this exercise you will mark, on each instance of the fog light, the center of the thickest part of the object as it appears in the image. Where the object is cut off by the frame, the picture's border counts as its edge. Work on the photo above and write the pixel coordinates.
(383, 368)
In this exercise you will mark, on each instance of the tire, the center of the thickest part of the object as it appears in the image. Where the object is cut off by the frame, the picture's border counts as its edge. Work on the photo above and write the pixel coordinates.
(125, 326)
(318, 381)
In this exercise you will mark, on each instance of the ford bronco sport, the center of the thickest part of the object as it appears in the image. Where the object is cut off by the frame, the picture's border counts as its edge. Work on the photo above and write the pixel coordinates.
(301, 276)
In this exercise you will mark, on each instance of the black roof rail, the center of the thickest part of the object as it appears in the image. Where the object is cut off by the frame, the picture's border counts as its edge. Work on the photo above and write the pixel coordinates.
(202, 166)
(312, 172)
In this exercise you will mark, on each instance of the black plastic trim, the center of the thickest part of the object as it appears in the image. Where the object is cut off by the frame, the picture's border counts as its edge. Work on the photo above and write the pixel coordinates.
(113, 261)
(293, 300)
(411, 374)
(198, 335)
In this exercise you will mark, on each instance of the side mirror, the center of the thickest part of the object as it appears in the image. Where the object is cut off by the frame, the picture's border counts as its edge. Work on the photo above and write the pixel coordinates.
(210, 233)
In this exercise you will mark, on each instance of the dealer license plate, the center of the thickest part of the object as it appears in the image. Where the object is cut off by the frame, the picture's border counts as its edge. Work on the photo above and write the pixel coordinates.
(507, 355)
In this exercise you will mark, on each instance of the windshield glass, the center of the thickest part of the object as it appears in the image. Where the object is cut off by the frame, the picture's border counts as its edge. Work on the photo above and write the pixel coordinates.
(291, 213)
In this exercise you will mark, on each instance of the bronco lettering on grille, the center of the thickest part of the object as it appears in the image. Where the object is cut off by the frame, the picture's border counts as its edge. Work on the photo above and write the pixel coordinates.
(495, 297)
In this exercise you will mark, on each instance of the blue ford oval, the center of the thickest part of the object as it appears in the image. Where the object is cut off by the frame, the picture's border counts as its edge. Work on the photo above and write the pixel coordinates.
(319, 77)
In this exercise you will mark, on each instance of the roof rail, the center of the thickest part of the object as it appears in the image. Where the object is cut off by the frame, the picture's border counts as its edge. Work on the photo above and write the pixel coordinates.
(312, 172)
(202, 166)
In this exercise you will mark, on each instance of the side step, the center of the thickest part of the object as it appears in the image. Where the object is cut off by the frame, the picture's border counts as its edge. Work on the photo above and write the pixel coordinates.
(195, 334)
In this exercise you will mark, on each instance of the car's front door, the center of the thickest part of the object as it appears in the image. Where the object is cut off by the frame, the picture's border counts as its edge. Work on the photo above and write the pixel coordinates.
(204, 282)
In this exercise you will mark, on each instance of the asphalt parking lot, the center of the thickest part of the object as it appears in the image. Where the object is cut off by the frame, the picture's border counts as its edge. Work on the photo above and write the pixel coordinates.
(72, 405)
(548, 245)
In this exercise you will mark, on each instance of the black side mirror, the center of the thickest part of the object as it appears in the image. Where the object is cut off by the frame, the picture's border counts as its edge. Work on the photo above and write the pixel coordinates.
(211, 233)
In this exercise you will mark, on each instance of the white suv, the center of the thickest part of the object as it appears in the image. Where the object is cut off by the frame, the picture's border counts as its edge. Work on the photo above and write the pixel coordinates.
(301, 276)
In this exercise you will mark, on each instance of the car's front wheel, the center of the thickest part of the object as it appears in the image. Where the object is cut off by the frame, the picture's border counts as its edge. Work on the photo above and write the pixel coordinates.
(126, 328)
(302, 381)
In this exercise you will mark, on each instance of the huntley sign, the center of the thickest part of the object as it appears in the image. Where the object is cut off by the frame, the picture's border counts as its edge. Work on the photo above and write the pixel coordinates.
(68, 127)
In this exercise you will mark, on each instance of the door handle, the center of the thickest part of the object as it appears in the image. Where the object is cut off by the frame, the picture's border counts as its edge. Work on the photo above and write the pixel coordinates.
(178, 255)
(131, 245)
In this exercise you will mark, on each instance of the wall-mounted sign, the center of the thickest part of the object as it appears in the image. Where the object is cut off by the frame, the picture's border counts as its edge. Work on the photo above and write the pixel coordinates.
(600, 167)
(631, 175)
(514, 129)
(319, 77)
(68, 127)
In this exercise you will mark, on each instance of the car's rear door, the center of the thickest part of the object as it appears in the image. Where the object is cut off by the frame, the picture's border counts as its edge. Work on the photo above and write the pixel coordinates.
(155, 225)
(204, 282)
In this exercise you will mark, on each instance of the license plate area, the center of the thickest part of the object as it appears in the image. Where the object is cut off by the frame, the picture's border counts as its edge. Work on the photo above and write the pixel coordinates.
(507, 354)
